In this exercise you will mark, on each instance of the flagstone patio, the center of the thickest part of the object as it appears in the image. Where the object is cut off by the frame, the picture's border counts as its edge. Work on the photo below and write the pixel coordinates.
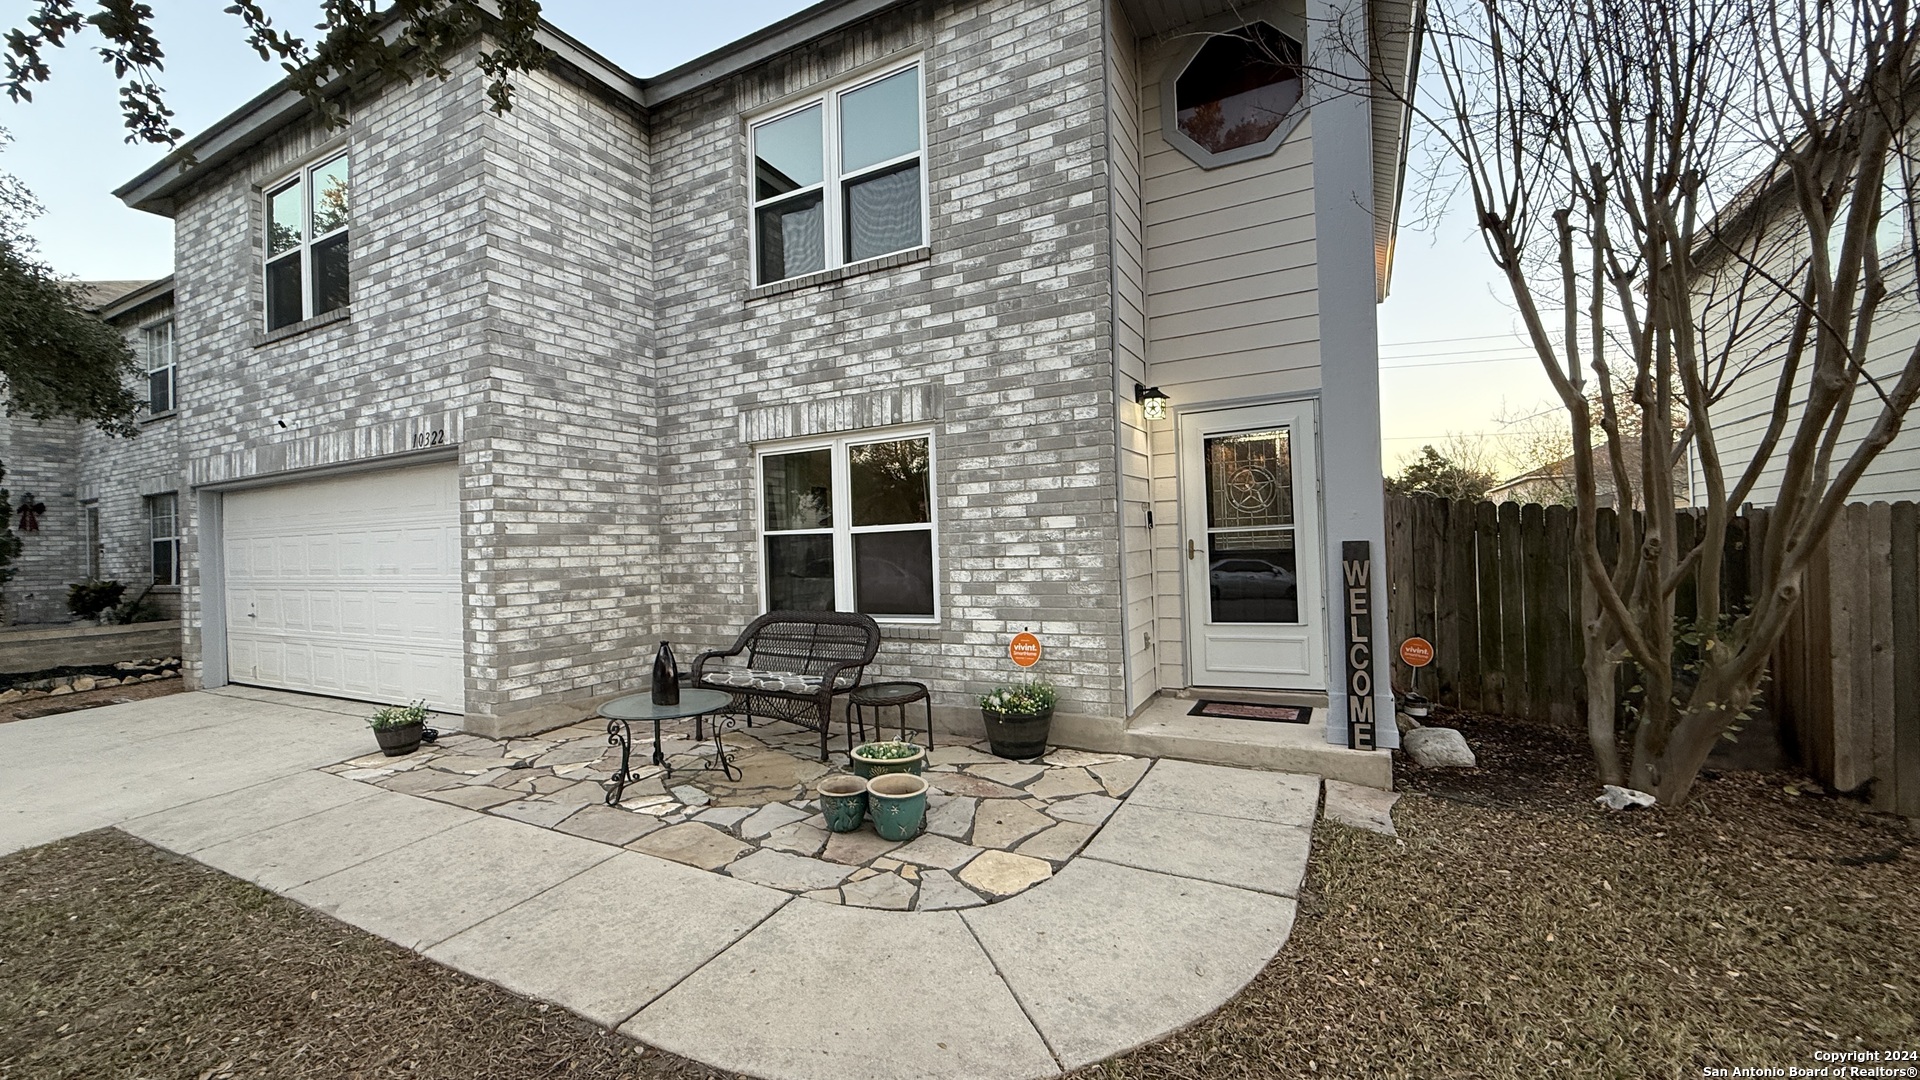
(994, 829)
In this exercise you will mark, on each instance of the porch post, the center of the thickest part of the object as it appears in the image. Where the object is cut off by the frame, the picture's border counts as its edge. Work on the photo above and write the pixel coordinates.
(1349, 344)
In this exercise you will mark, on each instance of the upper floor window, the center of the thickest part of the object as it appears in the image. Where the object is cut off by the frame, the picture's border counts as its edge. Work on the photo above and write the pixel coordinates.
(1237, 97)
(840, 178)
(307, 243)
(156, 348)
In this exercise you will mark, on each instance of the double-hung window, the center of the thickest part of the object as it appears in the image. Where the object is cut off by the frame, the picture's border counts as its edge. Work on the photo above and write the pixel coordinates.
(840, 178)
(156, 347)
(848, 525)
(307, 243)
(163, 537)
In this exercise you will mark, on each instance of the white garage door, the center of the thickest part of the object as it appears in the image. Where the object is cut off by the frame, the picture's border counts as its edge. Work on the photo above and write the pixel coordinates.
(348, 587)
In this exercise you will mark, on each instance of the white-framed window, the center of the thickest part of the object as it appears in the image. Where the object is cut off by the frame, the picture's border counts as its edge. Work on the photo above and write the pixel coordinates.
(163, 537)
(156, 350)
(306, 242)
(840, 178)
(848, 525)
(96, 547)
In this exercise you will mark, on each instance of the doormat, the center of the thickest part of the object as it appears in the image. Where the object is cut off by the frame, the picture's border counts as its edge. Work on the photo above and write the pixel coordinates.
(1248, 710)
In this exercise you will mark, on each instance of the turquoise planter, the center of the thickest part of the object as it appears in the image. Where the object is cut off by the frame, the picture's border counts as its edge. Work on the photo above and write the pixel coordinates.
(868, 768)
(898, 804)
(843, 802)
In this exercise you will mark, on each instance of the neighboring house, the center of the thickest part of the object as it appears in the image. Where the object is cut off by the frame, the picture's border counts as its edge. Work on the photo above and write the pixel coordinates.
(857, 312)
(1553, 484)
(106, 501)
(1741, 417)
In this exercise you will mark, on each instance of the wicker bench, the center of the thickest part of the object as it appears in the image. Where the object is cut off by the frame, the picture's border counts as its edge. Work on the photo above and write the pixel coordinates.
(790, 665)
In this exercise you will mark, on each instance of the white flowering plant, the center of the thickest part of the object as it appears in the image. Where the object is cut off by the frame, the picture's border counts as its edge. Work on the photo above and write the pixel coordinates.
(398, 716)
(1020, 699)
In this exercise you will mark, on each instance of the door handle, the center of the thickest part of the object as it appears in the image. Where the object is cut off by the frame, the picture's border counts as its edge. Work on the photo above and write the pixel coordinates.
(1192, 549)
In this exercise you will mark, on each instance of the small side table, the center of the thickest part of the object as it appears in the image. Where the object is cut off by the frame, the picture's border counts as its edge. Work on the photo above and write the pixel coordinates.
(621, 713)
(877, 696)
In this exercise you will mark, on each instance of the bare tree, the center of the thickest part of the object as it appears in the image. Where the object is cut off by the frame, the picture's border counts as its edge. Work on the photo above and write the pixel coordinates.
(1689, 192)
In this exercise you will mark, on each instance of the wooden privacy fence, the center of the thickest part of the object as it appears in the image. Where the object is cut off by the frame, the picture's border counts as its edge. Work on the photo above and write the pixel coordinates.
(1493, 587)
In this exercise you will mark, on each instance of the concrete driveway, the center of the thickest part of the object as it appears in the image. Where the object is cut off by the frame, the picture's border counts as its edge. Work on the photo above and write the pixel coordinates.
(1179, 901)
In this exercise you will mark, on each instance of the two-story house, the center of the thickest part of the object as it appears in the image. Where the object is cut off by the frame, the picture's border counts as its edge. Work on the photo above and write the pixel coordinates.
(978, 316)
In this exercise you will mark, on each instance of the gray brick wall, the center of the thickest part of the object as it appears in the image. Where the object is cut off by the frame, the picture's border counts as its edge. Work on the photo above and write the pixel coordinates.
(565, 290)
(1008, 318)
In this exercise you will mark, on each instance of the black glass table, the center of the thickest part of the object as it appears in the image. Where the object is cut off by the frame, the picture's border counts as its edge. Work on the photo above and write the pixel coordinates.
(622, 713)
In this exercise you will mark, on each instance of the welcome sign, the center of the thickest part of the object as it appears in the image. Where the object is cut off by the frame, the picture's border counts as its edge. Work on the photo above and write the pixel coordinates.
(1356, 564)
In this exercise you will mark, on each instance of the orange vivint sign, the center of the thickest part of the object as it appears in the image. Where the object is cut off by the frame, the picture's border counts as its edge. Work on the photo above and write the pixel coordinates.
(1416, 652)
(1024, 649)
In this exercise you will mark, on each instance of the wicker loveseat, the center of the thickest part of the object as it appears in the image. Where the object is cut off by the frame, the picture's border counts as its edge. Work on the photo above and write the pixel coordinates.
(790, 665)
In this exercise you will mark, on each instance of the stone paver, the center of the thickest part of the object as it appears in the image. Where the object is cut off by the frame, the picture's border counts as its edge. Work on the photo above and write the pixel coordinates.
(859, 847)
(186, 829)
(800, 838)
(692, 843)
(539, 812)
(794, 873)
(600, 966)
(298, 851)
(768, 818)
(1085, 809)
(950, 816)
(1002, 823)
(888, 891)
(979, 787)
(1010, 773)
(1119, 777)
(1244, 852)
(608, 825)
(1002, 873)
(940, 892)
(963, 1021)
(1064, 784)
(1106, 958)
(936, 851)
(1057, 844)
(1359, 807)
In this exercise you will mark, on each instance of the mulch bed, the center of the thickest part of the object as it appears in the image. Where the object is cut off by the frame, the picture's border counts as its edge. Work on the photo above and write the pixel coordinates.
(118, 960)
(1514, 930)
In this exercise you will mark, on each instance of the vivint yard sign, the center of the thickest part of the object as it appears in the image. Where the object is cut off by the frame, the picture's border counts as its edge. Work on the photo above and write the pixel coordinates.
(1356, 564)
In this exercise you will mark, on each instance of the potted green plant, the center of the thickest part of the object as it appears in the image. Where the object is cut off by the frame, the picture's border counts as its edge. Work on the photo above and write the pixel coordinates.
(843, 801)
(1018, 718)
(398, 728)
(880, 758)
(898, 805)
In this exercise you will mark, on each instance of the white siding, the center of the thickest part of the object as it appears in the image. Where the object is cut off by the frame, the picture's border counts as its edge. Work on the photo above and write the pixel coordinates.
(1231, 307)
(1130, 356)
(1741, 418)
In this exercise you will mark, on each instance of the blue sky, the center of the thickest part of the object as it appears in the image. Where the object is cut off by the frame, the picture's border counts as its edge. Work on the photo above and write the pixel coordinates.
(1448, 356)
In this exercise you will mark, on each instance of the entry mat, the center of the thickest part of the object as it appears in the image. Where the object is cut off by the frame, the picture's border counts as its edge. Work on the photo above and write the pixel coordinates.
(1249, 710)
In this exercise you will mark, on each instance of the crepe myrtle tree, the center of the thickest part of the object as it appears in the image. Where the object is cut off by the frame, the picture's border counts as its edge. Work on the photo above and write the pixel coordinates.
(358, 41)
(1702, 196)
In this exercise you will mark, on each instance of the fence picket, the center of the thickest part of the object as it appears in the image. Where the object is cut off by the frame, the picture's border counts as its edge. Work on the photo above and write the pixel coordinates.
(1486, 549)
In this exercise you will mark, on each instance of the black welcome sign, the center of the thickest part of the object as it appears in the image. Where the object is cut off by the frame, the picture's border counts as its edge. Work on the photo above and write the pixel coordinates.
(1356, 565)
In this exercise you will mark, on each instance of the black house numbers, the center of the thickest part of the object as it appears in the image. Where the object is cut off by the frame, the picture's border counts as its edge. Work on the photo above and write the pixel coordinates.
(424, 439)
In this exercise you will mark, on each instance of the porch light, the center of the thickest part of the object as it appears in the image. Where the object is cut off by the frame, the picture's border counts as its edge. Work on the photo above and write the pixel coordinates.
(1153, 403)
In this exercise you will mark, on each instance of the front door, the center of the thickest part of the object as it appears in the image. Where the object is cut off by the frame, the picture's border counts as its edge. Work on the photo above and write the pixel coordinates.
(1250, 518)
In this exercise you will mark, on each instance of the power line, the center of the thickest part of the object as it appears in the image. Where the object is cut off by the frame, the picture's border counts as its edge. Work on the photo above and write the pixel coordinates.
(1449, 340)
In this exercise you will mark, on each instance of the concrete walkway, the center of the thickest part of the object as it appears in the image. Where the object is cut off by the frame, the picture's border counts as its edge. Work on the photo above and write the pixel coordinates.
(1179, 901)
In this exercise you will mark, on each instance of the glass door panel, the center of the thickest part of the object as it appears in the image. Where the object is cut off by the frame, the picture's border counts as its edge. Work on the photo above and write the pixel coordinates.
(1250, 524)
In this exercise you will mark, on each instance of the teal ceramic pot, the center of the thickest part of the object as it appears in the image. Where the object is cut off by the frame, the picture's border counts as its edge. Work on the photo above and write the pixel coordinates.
(898, 803)
(868, 768)
(1016, 736)
(843, 802)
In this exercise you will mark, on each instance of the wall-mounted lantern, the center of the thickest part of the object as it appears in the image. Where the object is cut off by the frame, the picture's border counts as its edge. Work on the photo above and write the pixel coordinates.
(1153, 403)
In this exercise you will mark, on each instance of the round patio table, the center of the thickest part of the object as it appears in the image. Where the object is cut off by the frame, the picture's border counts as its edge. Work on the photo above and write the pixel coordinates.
(621, 713)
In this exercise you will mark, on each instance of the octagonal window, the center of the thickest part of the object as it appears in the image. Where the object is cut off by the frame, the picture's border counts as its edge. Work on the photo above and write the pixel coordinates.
(1239, 88)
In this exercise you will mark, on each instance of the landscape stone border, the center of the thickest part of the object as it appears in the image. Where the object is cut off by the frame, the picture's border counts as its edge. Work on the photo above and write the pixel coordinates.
(995, 827)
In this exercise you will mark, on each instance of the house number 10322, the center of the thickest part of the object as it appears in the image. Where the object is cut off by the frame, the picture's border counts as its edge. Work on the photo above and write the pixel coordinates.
(436, 437)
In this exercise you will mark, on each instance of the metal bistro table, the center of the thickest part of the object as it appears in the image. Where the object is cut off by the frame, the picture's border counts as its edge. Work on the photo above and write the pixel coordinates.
(622, 713)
